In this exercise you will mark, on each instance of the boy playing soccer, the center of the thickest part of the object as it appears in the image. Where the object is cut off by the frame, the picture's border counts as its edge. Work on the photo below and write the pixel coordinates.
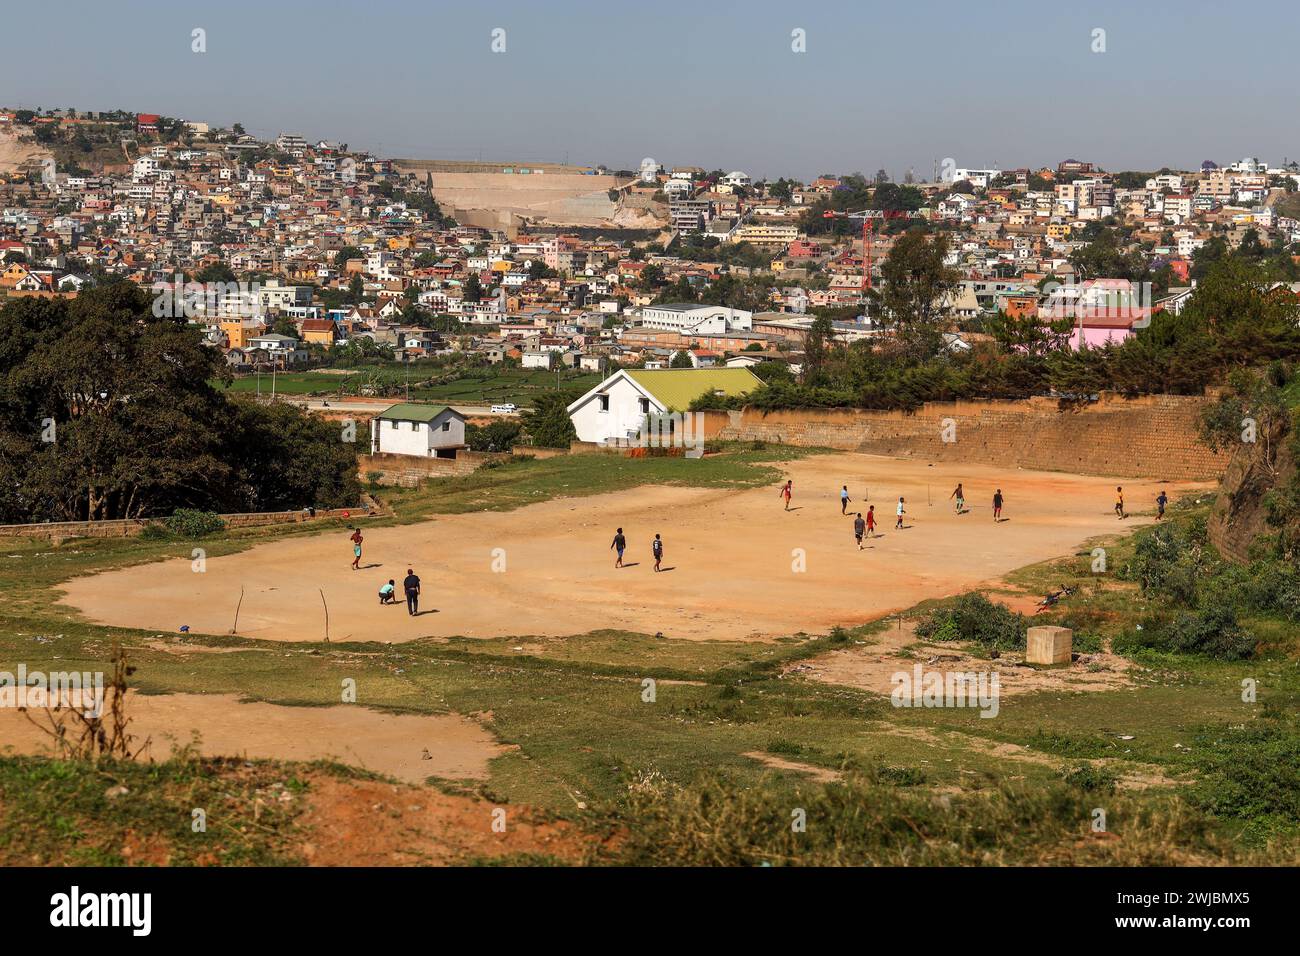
(997, 505)
(859, 529)
(356, 549)
(899, 523)
(871, 521)
(619, 544)
(657, 548)
(960, 496)
(1162, 499)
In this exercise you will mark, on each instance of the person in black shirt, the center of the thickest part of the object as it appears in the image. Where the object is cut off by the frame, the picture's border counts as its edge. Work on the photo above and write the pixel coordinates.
(997, 505)
(411, 584)
(657, 549)
(620, 545)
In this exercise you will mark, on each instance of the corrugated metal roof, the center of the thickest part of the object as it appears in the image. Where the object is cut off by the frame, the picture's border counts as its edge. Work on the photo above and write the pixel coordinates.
(677, 388)
(411, 412)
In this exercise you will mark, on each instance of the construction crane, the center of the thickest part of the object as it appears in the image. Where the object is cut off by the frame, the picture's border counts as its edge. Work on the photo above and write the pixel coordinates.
(868, 217)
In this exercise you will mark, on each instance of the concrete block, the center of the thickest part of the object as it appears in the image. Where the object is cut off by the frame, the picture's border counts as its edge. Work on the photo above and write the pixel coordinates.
(1048, 644)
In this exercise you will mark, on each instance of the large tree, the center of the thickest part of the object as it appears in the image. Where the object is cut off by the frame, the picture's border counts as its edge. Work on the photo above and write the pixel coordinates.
(916, 285)
(108, 411)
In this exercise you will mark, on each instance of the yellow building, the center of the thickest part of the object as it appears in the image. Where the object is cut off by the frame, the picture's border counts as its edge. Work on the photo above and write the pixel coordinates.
(238, 332)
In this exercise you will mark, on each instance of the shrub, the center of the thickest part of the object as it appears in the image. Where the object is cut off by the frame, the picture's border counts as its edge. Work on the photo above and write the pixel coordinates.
(1091, 779)
(192, 523)
(973, 617)
(1170, 559)
(1210, 631)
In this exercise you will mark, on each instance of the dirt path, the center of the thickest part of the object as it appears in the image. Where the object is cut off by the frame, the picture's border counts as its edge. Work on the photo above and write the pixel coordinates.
(734, 558)
(406, 747)
(366, 823)
(872, 666)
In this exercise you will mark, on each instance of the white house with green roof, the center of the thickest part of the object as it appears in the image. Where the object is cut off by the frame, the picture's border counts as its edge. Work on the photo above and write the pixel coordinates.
(426, 431)
(616, 408)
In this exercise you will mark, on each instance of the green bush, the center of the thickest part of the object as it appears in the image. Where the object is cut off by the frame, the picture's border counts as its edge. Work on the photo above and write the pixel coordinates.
(1170, 559)
(1210, 632)
(973, 617)
(192, 523)
(1091, 779)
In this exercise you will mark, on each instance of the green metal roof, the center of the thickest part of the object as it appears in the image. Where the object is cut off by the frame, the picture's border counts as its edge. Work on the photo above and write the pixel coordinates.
(676, 388)
(411, 412)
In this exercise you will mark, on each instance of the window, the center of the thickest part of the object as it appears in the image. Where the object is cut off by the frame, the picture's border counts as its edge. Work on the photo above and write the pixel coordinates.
(446, 426)
(645, 405)
(393, 423)
(604, 402)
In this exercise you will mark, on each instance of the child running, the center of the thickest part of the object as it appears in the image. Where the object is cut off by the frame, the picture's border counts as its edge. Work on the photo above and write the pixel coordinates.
(844, 500)
(960, 496)
(871, 521)
(356, 549)
(657, 549)
(859, 529)
(997, 505)
(898, 525)
(619, 544)
(786, 491)
(1161, 500)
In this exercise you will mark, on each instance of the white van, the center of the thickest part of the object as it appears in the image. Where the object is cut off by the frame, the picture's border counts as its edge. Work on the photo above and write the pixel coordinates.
(508, 408)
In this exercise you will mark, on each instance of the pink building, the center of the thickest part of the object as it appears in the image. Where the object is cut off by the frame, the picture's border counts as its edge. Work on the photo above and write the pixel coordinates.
(1102, 310)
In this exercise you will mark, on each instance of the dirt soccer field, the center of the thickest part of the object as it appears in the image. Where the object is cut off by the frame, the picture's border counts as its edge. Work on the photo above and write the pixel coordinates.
(731, 560)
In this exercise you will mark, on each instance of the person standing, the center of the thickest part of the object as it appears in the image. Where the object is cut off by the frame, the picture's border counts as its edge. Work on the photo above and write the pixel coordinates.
(859, 529)
(356, 549)
(898, 525)
(619, 544)
(1119, 503)
(1162, 499)
(960, 495)
(657, 549)
(844, 500)
(871, 521)
(411, 585)
(997, 505)
(786, 491)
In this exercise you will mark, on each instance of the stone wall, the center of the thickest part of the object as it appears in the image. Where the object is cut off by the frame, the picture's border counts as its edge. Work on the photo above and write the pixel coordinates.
(129, 527)
(1152, 436)
(408, 471)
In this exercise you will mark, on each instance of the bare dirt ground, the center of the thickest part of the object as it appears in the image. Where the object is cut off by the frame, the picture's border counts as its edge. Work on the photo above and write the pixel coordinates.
(17, 152)
(368, 823)
(733, 556)
(871, 666)
(406, 747)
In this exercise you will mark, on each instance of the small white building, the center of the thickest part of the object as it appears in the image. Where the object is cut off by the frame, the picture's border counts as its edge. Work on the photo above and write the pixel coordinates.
(424, 431)
(616, 409)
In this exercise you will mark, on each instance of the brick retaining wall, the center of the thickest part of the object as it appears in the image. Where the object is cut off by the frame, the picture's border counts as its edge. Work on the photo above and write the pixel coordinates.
(1152, 436)
(130, 527)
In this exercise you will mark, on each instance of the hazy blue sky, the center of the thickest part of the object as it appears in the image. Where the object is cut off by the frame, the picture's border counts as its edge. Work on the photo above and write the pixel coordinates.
(708, 82)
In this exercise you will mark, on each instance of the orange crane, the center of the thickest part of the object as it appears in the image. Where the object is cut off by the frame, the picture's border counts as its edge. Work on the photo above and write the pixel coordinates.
(868, 217)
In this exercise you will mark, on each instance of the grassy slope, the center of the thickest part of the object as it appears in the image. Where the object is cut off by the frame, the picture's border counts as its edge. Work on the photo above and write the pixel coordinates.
(576, 711)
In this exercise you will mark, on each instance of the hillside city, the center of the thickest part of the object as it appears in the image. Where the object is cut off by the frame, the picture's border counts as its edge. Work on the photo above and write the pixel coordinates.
(292, 253)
